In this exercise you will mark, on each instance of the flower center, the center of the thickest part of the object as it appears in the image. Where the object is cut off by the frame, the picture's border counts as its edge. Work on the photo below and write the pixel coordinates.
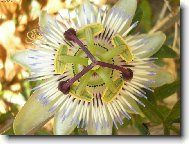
(98, 67)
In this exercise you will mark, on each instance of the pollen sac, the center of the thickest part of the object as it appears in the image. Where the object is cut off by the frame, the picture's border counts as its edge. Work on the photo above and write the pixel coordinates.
(108, 95)
(58, 63)
(95, 28)
(119, 42)
(62, 88)
(85, 96)
(69, 34)
(128, 75)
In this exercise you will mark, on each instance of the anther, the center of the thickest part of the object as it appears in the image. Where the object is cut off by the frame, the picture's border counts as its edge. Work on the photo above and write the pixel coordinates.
(63, 87)
(128, 74)
(70, 34)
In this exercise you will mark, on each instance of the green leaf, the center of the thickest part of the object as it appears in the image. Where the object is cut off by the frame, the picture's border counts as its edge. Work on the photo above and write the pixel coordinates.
(165, 52)
(42, 132)
(174, 114)
(114, 130)
(169, 40)
(160, 62)
(151, 111)
(166, 90)
(10, 131)
(26, 89)
(175, 129)
(82, 131)
(164, 110)
(138, 17)
(138, 122)
(4, 117)
(147, 15)
(126, 122)
(142, 128)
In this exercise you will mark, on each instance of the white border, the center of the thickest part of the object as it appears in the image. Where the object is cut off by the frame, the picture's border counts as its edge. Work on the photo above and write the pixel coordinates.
(184, 139)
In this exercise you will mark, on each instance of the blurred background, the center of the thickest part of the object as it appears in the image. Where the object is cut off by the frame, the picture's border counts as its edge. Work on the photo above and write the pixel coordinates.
(18, 28)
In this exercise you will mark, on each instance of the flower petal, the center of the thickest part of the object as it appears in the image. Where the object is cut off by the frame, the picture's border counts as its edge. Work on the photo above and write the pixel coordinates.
(63, 127)
(106, 130)
(44, 19)
(28, 58)
(22, 58)
(150, 44)
(162, 77)
(128, 7)
(134, 106)
(86, 12)
(31, 115)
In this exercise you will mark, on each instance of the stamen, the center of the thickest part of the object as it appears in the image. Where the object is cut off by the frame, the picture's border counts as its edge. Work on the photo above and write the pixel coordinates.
(126, 73)
(70, 35)
(62, 88)
(65, 86)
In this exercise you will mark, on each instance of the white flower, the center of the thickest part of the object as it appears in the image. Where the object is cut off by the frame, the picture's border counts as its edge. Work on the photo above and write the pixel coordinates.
(93, 71)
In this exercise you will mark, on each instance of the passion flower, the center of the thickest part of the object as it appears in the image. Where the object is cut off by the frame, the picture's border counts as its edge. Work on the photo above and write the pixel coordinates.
(92, 71)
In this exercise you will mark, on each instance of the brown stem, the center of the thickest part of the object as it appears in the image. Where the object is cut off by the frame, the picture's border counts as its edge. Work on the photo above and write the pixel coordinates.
(64, 86)
(70, 35)
(127, 73)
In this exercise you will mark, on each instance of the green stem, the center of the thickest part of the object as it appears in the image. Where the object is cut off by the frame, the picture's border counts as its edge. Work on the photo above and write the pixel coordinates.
(166, 129)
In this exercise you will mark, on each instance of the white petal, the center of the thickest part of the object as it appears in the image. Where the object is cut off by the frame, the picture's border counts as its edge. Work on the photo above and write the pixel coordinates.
(150, 44)
(63, 127)
(106, 130)
(162, 77)
(44, 19)
(23, 58)
(128, 7)
(31, 115)
(51, 27)
(86, 12)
